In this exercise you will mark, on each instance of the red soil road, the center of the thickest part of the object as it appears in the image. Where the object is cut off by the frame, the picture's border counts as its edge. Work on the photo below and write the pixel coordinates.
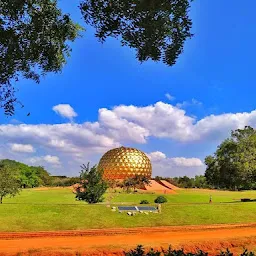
(114, 239)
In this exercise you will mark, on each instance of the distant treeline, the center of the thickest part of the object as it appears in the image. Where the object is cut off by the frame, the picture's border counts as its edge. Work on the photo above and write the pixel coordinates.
(198, 181)
(231, 167)
(63, 181)
(36, 176)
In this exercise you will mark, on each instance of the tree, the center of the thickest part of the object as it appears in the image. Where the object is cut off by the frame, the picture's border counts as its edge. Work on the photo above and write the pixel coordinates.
(137, 181)
(43, 175)
(92, 186)
(157, 30)
(29, 176)
(34, 37)
(246, 155)
(233, 165)
(128, 183)
(9, 184)
(186, 182)
(200, 181)
(141, 181)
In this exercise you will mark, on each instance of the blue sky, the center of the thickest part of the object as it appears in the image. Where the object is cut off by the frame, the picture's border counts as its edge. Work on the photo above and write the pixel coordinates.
(214, 76)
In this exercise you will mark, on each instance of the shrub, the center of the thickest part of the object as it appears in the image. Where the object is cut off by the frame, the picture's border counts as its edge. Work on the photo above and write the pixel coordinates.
(160, 200)
(144, 202)
(246, 200)
(140, 251)
(92, 184)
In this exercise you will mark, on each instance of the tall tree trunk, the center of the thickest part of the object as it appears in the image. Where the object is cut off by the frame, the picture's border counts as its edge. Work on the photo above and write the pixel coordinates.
(1, 200)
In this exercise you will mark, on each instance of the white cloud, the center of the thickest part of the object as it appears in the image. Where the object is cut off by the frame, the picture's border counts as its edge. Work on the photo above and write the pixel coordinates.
(177, 161)
(53, 160)
(186, 162)
(23, 148)
(177, 166)
(123, 125)
(163, 120)
(156, 156)
(127, 124)
(169, 97)
(119, 128)
(65, 110)
(196, 102)
(185, 104)
(160, 120)
(66, 138)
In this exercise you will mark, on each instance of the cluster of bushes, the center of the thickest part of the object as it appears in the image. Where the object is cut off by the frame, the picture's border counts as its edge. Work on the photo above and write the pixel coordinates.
(140, 251)
(63, 181)
(144, 202)
(248, 200)
(158, 200)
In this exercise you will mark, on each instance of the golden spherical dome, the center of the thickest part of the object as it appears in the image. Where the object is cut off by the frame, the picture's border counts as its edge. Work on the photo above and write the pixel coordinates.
(121, 163)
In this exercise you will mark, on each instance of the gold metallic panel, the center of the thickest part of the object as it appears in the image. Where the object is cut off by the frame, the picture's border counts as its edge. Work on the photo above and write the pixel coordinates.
(121, 163)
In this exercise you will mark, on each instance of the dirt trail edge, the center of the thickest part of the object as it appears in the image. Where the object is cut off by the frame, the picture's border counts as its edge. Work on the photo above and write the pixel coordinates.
(109, 239)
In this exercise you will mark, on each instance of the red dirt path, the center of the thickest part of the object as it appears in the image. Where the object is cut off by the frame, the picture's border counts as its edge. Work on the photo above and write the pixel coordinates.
(110, 241)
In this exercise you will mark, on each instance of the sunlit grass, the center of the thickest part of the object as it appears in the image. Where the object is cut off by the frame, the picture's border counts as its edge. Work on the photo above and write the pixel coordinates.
(57, 209)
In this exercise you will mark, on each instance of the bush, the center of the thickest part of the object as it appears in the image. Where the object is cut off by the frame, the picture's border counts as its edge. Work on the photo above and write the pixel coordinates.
(140, 251)
(144, 202)
(160, 200)
(62, 181)
(246, 200)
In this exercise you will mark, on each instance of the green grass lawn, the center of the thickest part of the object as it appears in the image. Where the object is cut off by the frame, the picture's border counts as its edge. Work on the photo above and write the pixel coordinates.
(44, 196)
(187, 196)
(56, 209)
